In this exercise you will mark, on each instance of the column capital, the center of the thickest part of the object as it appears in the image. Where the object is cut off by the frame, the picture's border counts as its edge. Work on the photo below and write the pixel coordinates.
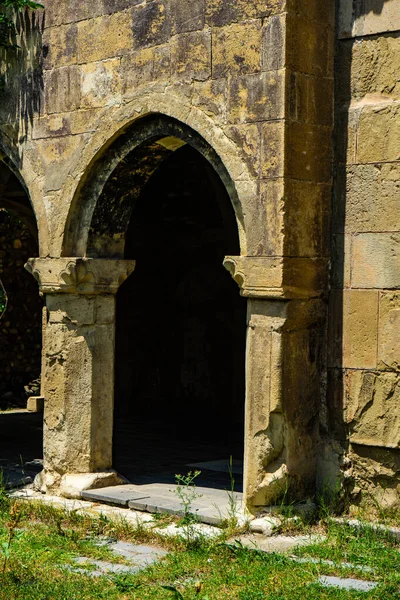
(281, 278)
(77, 275)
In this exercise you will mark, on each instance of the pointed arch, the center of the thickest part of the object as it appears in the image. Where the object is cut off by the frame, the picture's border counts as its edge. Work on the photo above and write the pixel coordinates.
(140, 146)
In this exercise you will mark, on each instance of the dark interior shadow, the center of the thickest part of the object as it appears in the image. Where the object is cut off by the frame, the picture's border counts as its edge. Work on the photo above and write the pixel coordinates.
(180, 335)
(21, 436)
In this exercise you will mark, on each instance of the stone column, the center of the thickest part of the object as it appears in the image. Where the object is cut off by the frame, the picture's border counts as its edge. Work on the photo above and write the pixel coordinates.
(78, 370)
(285, 331)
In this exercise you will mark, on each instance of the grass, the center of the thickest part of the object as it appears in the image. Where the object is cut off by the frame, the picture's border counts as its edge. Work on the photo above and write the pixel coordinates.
(43, 542)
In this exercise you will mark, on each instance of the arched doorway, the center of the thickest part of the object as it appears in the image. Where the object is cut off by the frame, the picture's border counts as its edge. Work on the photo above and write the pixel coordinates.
(20, 332)
(180, 321)
(21, 324)
(180, 333)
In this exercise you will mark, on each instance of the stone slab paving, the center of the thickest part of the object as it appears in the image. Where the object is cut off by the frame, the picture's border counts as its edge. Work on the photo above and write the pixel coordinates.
(194, 531)
(331, 563)
(279, 543)
(133, 517)
(347, 584)
(139, 556)
(119, 495)
(211, 506)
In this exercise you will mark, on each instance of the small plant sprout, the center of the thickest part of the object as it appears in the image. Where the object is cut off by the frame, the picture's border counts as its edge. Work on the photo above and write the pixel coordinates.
(186, 492)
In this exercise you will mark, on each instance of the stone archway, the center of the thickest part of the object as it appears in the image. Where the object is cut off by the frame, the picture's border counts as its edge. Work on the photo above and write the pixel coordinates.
(180, 335)
(80, 295)
(285, 316)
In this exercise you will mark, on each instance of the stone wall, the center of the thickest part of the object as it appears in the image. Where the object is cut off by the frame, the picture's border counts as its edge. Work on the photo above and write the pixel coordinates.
(364, 357)
(254, 81)
(21, 323)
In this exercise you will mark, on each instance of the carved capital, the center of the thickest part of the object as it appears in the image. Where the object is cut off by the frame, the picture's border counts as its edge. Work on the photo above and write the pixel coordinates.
(79, 275)
(278, 277)
(257, 276)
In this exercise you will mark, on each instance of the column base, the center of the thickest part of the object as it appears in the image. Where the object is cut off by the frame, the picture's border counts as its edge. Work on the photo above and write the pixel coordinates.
(73, 484)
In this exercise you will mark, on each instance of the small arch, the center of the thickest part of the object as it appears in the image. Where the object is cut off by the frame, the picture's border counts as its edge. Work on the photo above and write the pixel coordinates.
(32, 210)
(137, 149)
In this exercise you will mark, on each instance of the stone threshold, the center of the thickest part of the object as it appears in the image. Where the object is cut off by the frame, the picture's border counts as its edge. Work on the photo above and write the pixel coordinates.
(210, 506)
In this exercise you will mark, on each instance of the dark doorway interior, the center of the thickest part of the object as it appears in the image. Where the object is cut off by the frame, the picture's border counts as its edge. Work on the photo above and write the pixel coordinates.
(180, 338)
(21, 446)
(21, 321)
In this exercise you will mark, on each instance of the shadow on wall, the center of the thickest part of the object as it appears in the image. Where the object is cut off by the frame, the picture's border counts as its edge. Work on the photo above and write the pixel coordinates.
(375, 6)
(333, 424)
(21, 76)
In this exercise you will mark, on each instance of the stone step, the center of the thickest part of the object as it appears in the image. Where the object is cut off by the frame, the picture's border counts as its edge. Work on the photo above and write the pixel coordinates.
(211, 505)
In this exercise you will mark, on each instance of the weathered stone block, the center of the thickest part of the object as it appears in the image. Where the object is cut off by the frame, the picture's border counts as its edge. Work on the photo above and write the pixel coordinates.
(379, 134)
(60, 124)
(151, 24)
(256, 97)
(73, 484)
(376, 260)
(187, 15)
(236, 48)
(248, 139)
(372, 195)
(266, 220)
(320, 101)
(389, 331)
(307, 218)
(101, 85)
(112, 6)
(58, 156)
(273, 44)
(297, 96)
(372, 408)
(367, 17)
(191, 56)
(359, 328)
(309, 47)
(35, 404)
(105, 309)
(322, 11)
(374, 65)
(272, 149)
(220, 12)
(62, 46)
(309, 152)
(145, 66)
(58, 13)
(211, 97)
(104, 37)
(62, 89)
(68, 310)
(310, 99)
